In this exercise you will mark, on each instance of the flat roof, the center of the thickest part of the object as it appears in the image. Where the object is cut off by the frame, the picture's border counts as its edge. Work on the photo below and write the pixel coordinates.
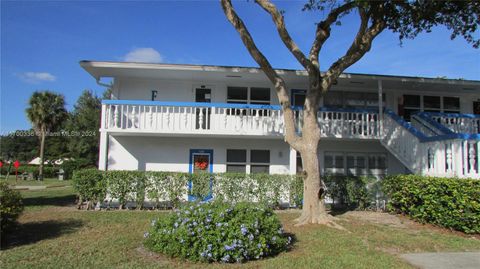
(100, 69)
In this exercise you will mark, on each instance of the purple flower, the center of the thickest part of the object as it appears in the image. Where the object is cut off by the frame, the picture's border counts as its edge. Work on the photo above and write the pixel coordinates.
(227, 247)
(226, 258)
(250, 237)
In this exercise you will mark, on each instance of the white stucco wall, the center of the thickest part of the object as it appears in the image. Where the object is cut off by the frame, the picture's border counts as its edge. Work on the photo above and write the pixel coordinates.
(172, 154)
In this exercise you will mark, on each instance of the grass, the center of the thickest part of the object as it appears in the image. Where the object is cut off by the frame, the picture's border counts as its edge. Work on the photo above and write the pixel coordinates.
(51, 182)
(53, 234)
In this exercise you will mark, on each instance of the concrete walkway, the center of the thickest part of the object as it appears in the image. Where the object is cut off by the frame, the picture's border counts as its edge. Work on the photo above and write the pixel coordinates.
(444, 260)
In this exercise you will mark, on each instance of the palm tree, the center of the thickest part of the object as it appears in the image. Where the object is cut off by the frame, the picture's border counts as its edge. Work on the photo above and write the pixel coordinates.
(46, 111)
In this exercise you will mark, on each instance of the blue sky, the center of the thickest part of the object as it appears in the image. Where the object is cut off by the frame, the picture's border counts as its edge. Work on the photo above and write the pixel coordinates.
(43, 41)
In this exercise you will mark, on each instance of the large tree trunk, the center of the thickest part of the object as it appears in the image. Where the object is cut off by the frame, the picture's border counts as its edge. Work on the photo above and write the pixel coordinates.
(42, 151)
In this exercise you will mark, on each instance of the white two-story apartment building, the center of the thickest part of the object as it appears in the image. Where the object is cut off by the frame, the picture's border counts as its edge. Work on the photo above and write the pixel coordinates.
(184, 118)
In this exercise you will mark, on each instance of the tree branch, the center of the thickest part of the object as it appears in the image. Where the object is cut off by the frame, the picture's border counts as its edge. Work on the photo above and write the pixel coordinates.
(323, 31)
(359, 47)
(289, 118)
(277, 18)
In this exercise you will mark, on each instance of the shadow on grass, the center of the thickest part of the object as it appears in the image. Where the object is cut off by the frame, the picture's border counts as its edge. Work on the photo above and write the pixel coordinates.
(66, 200)
(32, 232)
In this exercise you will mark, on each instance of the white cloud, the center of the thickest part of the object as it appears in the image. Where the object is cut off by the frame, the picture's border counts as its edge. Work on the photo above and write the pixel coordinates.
(144, 55)
(37, 77)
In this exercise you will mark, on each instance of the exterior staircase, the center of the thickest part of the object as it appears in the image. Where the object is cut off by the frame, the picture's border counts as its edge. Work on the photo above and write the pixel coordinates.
(434, 144)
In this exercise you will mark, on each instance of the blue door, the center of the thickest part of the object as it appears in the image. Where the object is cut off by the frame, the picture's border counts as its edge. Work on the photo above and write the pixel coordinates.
(201, 161)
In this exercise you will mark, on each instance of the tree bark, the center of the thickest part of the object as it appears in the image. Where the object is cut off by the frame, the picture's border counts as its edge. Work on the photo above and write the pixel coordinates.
(42, 151)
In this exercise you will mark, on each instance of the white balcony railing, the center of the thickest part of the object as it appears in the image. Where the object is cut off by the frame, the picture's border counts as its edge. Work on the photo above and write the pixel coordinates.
(457, 123)
(229, 119)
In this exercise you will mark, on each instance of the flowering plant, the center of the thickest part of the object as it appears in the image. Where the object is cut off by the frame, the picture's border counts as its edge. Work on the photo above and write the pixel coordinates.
(201, 163)
(218, 232)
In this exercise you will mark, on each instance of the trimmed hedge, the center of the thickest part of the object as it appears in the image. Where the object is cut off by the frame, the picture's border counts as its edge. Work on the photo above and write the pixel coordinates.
(449, 202)
(134, 186)
(351, 192)
(271, 190)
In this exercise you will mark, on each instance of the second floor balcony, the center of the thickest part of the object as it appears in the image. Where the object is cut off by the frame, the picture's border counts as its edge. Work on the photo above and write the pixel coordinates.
(224, 119)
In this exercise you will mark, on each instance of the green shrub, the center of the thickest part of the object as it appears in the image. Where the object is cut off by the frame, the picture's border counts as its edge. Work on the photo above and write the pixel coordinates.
(121, 185)
(217, 231)
(166, 186)
(70, 166)
(351, 192)
(449, 202)
(10, 207)
(90, 186)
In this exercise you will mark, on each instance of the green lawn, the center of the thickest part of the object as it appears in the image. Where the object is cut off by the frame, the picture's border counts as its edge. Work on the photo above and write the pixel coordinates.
(53, 234)
(45, 182)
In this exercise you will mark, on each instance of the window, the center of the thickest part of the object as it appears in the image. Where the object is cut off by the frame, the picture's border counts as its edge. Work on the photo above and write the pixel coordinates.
(334, 163)
(431, 103)
(415, 103)
(411, 105)
(355, 164)
(246, 95)
(260, 96)
(260, 161)
(343, 99)
(237, 95)
(236, 160)
(451, 104)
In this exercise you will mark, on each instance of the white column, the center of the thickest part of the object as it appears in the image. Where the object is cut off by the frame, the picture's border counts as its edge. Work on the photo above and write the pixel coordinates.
(103, 151)
(380, 107)
(293, 161)
(458, 157)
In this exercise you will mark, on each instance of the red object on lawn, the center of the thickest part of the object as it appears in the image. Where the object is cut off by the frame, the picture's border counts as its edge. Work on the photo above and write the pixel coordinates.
(1, 164)
(16, 164)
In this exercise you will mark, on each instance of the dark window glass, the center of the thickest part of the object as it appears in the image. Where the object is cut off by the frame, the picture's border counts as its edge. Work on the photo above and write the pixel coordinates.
(338, 161)
(260, 94)
(411, 100)
(203, 95)
(408, 113)
(431, 102)
(371, 162)
(298, 99)
(328, 161)
(254, 169)
(382, 162)
(236, 155)
(237, 93)
(451, 103)
(299, 163)
(260, 156)
(333, 99)
(350, 162)
(361, 162)
(236, 168)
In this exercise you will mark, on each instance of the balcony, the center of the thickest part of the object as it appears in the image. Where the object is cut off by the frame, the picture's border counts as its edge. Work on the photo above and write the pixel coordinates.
(222, 119)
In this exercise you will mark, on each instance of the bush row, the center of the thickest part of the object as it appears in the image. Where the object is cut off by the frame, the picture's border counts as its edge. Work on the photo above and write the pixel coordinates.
(93, 186)
(48, 171)
(449, 202)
